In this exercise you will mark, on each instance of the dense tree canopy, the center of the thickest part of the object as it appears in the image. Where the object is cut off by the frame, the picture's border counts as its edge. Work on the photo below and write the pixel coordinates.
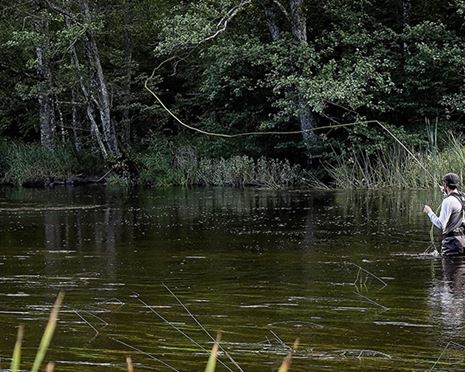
(73, 72)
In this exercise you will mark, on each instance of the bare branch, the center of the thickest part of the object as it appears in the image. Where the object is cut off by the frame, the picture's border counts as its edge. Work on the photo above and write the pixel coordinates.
(223, 23)
(62, 11)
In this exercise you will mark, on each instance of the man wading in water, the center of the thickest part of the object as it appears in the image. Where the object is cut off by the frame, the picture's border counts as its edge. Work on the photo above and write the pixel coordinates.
(451, 218)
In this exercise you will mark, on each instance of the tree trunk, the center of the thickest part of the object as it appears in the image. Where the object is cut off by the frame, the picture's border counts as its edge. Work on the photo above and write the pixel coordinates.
(406, 9)
(299, 21)
(271, 20)
(128, 48)
(46, 107)
(61, 119)
(99, 82)
(75, 120)
(86, 91)
(299, 31)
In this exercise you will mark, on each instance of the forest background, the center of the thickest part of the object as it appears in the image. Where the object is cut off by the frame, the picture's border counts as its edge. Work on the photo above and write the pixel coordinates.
(74, 109)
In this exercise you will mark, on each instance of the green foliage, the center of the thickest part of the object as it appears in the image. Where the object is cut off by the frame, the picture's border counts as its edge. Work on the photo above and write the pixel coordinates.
(223, 71)
(193, 22)
(118, 181)
(431, 69)
(167, 164)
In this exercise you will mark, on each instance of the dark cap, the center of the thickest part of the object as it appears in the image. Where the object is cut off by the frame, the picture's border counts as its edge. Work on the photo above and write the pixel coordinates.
(451, 180)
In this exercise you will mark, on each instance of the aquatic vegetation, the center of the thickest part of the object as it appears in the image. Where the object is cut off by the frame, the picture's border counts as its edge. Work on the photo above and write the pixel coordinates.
(287, 360)
(52, 324)
(44, 343)
(211, 365)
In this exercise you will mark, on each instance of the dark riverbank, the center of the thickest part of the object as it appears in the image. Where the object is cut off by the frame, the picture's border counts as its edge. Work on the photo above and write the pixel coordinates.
(28, 165)
(34, 166)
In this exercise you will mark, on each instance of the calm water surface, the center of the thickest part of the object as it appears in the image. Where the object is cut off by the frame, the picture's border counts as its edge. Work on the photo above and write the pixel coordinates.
(345, 272)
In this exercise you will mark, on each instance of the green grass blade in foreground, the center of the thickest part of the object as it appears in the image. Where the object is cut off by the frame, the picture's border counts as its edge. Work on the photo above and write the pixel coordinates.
(48, 334)
(16, 361)
(288, 359)
(211, 365)
(129, 363)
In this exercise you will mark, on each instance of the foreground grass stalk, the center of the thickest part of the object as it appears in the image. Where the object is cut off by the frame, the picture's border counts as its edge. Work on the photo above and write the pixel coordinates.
(288, 359)
(211, 365)
(48, 334)
(16, 361)
(129, 363)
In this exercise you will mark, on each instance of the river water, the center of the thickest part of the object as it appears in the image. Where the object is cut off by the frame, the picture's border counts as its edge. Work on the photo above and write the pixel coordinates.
(345, 272)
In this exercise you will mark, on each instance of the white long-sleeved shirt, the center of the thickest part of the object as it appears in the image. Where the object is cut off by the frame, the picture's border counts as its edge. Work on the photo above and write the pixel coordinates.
(449, 205)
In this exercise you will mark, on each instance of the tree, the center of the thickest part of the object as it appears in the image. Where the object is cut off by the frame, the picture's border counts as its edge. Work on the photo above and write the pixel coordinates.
(44, 72)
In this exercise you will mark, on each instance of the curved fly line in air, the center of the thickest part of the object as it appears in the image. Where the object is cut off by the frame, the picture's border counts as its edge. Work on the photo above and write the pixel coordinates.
(263, 133)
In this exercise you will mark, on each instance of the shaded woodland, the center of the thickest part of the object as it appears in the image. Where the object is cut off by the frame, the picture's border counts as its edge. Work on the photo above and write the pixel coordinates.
(73, 75)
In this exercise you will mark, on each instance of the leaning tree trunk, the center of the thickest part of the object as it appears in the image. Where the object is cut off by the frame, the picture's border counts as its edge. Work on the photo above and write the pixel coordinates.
(100, 85)
(89, 99)
(299, 32)
(44, 72)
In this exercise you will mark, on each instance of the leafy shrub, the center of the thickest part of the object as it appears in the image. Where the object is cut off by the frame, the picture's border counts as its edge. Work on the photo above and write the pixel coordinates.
(169, 165)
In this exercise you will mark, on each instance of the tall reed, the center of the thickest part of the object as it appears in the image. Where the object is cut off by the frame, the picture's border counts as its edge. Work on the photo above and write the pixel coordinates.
(395, 168)
(27, 163)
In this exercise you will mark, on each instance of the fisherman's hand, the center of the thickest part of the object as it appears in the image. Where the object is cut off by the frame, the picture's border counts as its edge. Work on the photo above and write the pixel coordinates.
(427, 209)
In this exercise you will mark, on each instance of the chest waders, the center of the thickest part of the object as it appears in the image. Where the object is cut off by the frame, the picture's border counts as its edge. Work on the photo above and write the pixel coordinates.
(453, 238)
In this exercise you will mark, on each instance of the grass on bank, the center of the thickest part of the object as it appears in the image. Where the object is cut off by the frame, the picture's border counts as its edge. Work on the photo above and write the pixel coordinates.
(237, 171)
(174, 165)
(33, 165)
(395, 168)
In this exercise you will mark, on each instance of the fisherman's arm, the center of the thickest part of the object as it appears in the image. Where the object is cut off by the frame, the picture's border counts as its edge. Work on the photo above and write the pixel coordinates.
(441, 221)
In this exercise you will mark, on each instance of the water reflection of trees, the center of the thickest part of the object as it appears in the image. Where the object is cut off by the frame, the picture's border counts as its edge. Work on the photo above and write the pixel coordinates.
(125, 217)
(398, 206)
(100, 220)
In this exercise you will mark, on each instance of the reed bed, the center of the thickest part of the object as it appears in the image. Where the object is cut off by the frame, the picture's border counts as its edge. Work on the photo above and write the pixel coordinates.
(395, 168)
(30, 164)
(186, 169)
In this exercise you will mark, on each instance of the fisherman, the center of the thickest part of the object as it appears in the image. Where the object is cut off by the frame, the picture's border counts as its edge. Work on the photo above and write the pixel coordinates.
(451, 217)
